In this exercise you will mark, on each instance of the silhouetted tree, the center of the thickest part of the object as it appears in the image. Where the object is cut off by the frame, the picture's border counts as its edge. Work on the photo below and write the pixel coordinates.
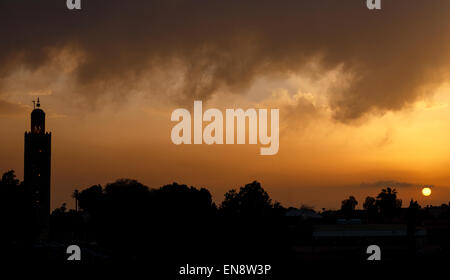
(279, 210)
(251, 201)
(387, 202)
(91, 199)
(9, 179)
(369, 203)
(126, 196)
(16, 212)
(349, 205)
(177, 201)
(133, 219)
(65, 224)
(249, 225)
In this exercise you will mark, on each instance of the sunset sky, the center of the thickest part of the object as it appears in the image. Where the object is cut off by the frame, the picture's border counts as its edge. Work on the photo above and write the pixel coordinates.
(363, 95)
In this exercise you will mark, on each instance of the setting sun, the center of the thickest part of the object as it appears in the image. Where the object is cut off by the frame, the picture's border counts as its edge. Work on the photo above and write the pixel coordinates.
(426, 191)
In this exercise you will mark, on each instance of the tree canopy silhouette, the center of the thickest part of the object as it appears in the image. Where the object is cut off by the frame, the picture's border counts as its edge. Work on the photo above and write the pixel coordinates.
(349, 205)
(176, 200)
(16, 208)
(251, 201)
(369, 203)
(91, 199)
(387, 202)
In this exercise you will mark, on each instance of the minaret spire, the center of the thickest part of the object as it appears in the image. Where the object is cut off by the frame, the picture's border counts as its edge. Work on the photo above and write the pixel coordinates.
(37, 168)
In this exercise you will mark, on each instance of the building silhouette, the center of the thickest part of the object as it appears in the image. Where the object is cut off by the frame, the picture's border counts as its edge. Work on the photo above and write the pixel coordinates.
(37, 167)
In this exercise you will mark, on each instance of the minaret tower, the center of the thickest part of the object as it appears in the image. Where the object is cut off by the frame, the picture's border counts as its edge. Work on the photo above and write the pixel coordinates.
(37, 167)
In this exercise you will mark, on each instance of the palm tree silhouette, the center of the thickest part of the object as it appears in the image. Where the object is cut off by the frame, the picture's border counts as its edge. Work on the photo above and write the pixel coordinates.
(387, 201)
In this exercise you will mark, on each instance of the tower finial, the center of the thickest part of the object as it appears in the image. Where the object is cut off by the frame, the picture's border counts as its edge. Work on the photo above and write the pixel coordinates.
(38, 104)
(34, 104)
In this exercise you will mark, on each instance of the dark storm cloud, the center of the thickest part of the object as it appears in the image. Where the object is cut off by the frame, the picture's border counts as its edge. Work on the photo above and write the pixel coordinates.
(397, 55)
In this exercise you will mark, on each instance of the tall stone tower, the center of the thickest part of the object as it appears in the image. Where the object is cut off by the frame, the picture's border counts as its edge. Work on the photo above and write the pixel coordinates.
(37, 168)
